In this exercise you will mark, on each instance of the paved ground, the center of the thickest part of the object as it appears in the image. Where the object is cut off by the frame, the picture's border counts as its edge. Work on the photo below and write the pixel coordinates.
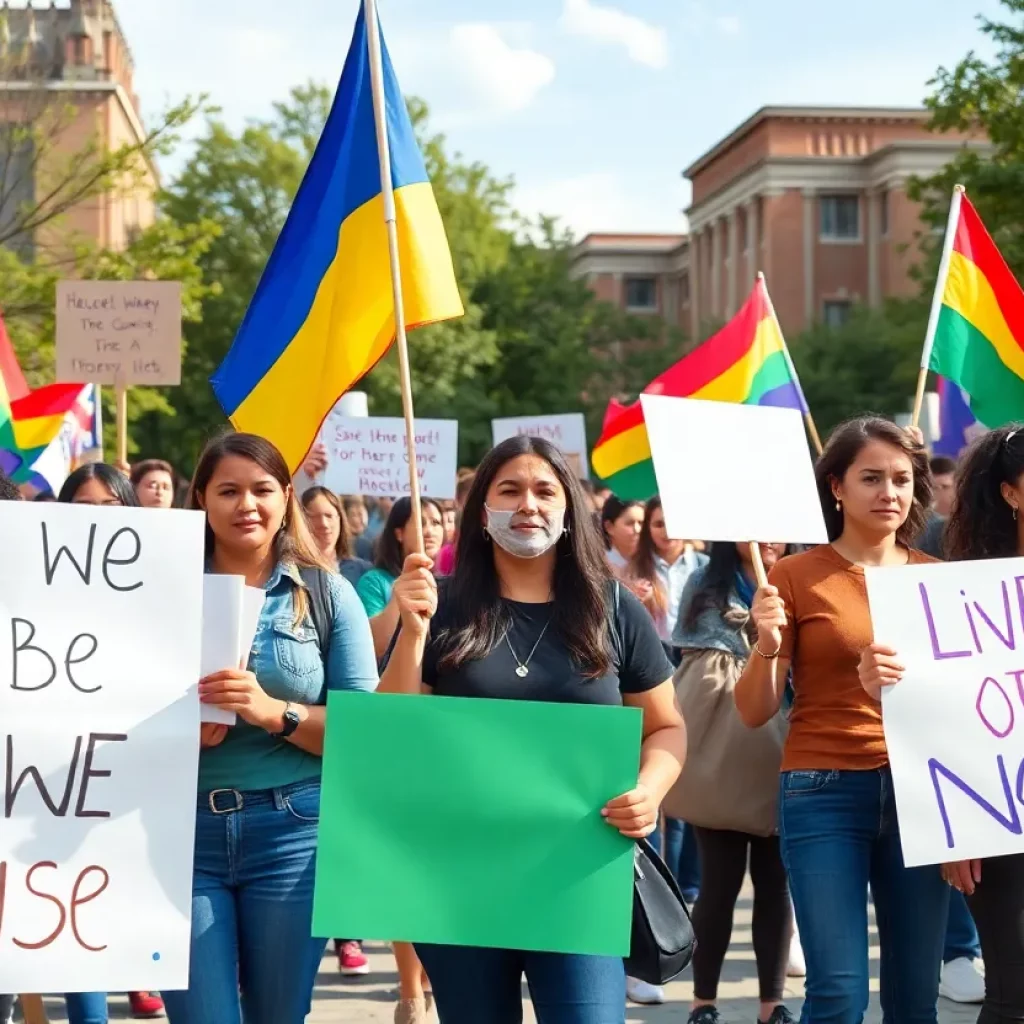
(370, 1000)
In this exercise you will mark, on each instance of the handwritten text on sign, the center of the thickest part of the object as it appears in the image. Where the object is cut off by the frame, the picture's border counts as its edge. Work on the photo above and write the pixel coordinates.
(954, 726)
(566, 430)
(114, 332)
(99, 659)
(367, 455)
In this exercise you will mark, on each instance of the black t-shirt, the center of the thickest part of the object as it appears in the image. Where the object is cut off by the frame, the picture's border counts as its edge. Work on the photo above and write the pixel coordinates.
(553, 675)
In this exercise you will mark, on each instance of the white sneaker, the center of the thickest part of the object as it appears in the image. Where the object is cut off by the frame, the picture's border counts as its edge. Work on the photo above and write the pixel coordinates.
(642, 992)
(961, 982)
(797, 967)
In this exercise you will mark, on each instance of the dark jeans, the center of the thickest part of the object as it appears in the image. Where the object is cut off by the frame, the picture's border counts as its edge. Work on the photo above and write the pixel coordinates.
(961, 934)
(723, 859)
(680, 854)
(998, 909)
(840, 835)
(484, 986)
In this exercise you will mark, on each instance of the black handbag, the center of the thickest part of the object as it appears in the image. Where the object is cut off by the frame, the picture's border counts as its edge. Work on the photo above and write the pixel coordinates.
(662, 942)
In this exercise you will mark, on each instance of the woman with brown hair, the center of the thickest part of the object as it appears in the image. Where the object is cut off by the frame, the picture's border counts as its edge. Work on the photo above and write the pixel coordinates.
(259, 780)
(329, 525)
(154, 481)
(838, 825)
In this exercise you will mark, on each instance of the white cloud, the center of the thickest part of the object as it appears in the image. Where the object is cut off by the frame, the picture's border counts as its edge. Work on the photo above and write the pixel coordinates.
(728, 24)
(505, 78)
(645, 43)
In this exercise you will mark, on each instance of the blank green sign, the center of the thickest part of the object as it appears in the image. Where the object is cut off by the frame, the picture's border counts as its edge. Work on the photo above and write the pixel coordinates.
(476, 822)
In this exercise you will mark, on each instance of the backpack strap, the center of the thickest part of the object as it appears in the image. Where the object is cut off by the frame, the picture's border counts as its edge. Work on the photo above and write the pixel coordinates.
(321, 606)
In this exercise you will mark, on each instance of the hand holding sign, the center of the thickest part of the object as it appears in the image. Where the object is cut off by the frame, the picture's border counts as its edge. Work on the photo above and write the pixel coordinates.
(879, 667)
(769, 614)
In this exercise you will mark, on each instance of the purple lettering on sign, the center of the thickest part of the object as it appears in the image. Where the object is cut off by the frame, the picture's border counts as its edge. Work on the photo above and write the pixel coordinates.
(970, 621)
(1006, 639)
(1017, 673)
(1010, 821)
(999, 733)
(937, 653)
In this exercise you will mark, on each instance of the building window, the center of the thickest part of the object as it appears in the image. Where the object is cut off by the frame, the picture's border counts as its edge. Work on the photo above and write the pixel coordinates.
(883, 213)
(840, 218)
(836, 312)
(641, 294)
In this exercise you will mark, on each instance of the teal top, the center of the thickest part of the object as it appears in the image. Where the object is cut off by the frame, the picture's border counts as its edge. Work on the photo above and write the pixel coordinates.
(374, 590)
(286, 660)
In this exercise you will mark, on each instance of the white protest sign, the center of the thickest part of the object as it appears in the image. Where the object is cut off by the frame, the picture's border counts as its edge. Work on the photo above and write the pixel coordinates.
(119, 332)
(954, 725)
(733, 472)
(231, 613)
(566, 430)
(100, 628)
(367, 455)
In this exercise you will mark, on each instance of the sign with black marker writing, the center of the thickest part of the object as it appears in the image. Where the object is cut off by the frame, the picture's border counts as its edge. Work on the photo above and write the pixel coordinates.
(100, 633)
(119, 332)
(954, 725)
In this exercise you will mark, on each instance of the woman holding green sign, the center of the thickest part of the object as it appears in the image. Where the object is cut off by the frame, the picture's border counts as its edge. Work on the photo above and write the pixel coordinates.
(531, 613)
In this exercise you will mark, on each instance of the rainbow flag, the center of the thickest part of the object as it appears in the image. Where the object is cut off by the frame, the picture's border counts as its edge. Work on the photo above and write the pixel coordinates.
(978, 341)
(323, 313)
(745, 362)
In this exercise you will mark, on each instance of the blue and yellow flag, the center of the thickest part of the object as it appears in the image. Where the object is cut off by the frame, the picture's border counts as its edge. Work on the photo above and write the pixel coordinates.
(323, 313)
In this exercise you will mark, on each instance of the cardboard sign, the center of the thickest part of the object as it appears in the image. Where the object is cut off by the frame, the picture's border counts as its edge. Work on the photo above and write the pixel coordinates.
(100, 626)
(119, 332)
(954, 725)
(733, 472)
(567, 430)
(367, 455)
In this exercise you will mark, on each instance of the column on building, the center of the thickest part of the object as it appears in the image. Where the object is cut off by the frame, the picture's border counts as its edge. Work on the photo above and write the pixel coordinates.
(753, 235)
(732, 221)
(874, 201)
(696, 280)
(716, 268)
(810, 243)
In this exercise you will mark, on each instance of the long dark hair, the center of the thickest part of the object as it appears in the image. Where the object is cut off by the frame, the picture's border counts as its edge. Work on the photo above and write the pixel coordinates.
(982, 524)
(343, 549)
(643, 566)
(390, 556)
(113, 479)
(579, 614)
(845, 444)
(610, 511)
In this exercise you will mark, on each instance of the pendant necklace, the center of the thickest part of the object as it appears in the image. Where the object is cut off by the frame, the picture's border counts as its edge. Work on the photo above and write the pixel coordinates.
(523, 667)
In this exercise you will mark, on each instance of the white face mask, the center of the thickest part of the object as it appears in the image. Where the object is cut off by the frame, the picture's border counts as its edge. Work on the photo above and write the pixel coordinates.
(525, 543)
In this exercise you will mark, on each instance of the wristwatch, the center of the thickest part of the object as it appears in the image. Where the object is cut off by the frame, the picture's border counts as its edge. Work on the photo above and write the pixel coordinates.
(289, 722)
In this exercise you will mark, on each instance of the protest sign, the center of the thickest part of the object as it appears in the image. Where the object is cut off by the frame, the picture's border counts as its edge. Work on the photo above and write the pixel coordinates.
(566, 430)
(733, 472)
(540, 772)
(954, 725)
(100, 626)
(368, 455)
(119, 332)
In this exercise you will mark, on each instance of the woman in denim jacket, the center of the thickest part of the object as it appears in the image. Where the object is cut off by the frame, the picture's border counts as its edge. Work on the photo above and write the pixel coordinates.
(259, 780)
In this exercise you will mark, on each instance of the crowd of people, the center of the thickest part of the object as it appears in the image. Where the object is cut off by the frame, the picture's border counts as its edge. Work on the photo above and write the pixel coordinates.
(763, 749)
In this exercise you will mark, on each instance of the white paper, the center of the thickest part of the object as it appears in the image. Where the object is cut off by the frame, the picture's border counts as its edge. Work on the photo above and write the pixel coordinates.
(733, 472)
(367, 455)
(138, 590)
(954, 725)
(222, 635)
(252, 607)
(566, 430)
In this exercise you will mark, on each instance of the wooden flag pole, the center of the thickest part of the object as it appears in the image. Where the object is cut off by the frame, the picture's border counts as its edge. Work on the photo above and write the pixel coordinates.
(391, 221)
(933, 315)
(121, 399)
(32, 1009)
(812, 430)
(758, 563)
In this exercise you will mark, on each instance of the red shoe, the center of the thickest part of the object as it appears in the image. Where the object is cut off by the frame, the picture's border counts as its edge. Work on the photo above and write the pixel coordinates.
(145, 1005)
(351, 960)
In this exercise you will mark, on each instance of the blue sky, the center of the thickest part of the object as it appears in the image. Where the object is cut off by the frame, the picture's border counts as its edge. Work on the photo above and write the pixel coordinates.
(593, 106)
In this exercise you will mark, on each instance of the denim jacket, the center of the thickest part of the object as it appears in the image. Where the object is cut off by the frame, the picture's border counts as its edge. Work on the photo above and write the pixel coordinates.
(286, 661)
(712, 630)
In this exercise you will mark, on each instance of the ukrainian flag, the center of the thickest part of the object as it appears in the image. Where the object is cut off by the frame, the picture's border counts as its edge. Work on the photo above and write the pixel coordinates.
(323, 313)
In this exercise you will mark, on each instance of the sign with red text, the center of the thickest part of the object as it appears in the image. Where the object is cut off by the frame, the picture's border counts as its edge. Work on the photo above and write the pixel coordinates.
(954, 725)
(100, 633)
(119, 332)
(367, 455)
(566, 430)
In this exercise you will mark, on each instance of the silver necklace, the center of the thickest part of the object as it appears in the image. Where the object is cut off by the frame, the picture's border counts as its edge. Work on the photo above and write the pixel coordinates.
(523, 667)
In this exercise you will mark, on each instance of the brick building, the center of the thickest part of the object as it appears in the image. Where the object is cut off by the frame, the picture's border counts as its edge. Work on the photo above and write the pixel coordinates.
(814, 197)
(70, 57)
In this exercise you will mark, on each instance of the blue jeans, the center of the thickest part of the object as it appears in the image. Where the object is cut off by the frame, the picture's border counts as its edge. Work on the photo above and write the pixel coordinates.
(839, 835)
(961, 935)
(86, 1007)
(252, 909)
(680, 854)
(473, 986)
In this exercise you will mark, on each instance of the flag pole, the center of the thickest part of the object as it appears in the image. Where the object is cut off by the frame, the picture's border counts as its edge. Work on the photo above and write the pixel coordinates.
(808, 418)
(940, 287)
(391, 221)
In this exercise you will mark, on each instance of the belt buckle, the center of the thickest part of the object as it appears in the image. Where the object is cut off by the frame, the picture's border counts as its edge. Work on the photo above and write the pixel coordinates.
(239, 801)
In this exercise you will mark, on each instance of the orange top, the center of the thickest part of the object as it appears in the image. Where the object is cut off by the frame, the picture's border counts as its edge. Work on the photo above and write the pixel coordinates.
(834, 723)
